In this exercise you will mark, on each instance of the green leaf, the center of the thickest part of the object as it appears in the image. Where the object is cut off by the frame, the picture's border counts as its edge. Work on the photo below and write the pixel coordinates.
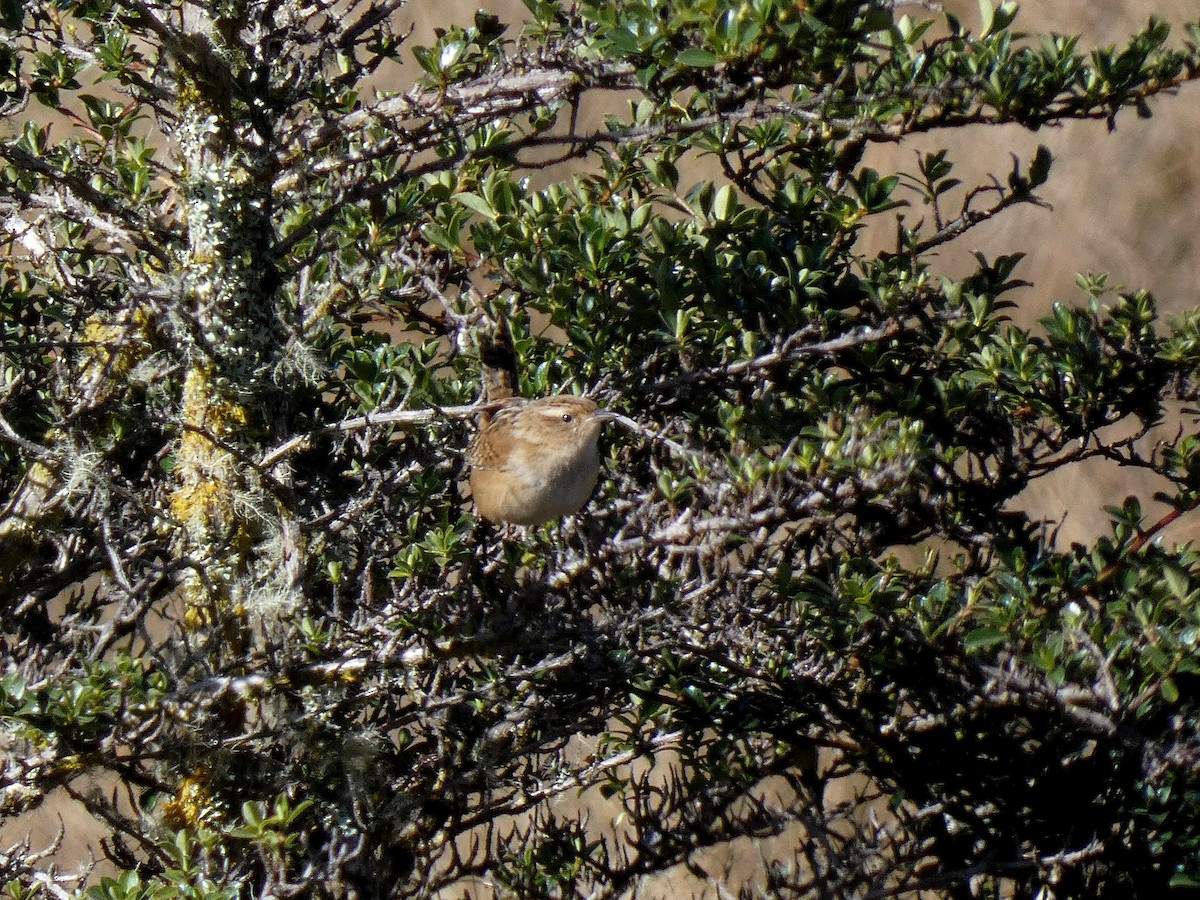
(253, 813)
(624, 40)
(725, 203)
(440, 237)
(983, 638)
(696, 57)
(1177, 581)
(1169, 690)
(986, 14)
(998, 18)
(478, 204)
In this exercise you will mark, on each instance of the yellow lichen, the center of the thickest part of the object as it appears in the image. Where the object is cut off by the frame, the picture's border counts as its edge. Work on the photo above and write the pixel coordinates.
(192, 803)
(36, 506)
(206, 410)
(114, 346)
(205, 501)
(201, 505)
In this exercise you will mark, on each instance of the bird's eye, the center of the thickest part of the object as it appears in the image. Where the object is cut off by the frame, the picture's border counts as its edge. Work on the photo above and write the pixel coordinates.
(568, 418)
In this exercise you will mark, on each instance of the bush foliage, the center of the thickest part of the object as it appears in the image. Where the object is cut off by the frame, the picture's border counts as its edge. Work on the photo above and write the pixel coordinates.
(249, 622)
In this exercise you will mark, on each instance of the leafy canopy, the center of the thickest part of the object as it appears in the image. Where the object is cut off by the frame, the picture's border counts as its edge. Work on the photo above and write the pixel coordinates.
(247, 282)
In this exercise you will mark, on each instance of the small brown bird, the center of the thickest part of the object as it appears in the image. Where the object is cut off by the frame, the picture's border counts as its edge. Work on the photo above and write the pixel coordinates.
(536, 460)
